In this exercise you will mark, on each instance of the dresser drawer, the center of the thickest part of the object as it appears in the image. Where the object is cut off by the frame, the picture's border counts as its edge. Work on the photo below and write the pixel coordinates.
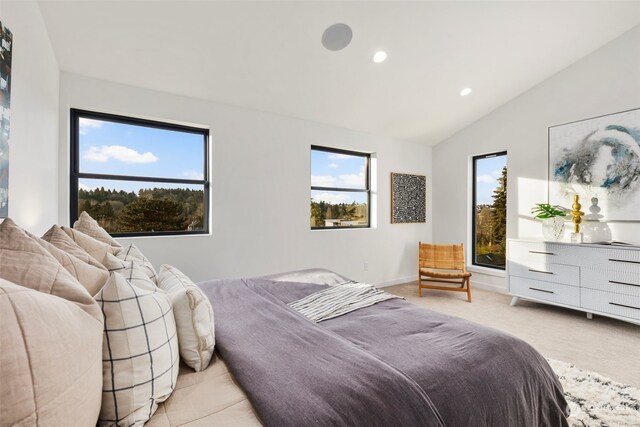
(616, 304)
(546, 291)
(556, 273)
(611, 259)
(541, 252)
(613, 281)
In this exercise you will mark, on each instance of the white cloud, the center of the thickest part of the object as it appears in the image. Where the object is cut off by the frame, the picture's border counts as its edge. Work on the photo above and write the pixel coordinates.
(332, 198)
(323, 181)
(336, 156)
(120, 153)
(352, 180)
(86, 124)
(193, 174)
(488, 179)
(332, 165)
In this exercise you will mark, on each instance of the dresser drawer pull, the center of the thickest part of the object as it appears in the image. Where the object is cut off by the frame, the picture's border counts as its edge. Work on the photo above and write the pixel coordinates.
(623, 283)
(548, 292)
(624, 260)
(541, 253)
(541, 271)
(622, 305)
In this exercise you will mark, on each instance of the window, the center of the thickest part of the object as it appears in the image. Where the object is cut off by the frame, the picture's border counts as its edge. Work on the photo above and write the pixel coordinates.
(340, 194)
(139, 177)
(490, 210)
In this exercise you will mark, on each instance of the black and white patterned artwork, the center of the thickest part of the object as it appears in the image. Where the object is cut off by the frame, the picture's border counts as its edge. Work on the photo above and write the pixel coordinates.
(408, 198)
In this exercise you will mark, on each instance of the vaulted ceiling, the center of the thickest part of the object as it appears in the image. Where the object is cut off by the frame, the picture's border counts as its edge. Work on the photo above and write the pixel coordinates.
(268, 55)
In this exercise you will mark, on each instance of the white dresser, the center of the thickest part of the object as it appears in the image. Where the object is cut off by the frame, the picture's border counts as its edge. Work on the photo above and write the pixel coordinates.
(596, 279)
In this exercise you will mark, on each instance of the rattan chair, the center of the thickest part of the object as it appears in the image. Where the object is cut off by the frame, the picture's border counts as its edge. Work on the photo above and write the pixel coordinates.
(443, 264)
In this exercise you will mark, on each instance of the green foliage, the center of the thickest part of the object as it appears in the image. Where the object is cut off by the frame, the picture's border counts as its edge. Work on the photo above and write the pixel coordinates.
(321, 211)
(499, 213)
(491, 226)
(161, 210)
(545, 210)
(147, 214)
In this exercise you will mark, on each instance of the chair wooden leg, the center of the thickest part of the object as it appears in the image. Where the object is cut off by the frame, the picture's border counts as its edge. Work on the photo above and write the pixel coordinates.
(468, 290)
(419, 285)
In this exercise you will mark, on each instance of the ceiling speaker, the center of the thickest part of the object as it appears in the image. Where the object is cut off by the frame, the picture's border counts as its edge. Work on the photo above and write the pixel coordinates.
(337, 37)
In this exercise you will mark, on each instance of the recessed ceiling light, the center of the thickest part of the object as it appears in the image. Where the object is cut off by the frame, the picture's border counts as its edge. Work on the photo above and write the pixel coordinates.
(466, 91)
(379, 56)
(337, 37)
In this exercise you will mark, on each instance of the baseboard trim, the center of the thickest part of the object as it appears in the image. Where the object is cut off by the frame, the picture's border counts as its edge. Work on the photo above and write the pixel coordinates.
(488, 287)
(395, 281)
(474, 284)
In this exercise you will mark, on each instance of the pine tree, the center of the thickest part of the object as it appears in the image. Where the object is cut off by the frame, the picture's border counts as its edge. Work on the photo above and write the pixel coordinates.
(146, 214)
(499, 213)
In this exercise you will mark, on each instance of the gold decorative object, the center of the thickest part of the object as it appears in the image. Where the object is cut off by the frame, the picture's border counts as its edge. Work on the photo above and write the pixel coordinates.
(576, 214)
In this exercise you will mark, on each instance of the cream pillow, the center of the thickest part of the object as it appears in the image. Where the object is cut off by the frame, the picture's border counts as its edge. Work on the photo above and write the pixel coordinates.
(92, 277)
(25, 262)
(194, 317)
(132, 270)
(93, 247)
(51, 360)
(140, 352)
(132, 253)
(90, 227)
(61, 240)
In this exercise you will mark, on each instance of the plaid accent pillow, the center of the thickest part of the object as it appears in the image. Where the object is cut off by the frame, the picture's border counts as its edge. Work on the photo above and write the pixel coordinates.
(132, 253)
(194, 317)
(140, 352)
(133, 271)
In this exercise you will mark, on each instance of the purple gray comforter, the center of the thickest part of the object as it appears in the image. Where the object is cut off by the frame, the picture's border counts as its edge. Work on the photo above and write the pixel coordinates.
(391, 364)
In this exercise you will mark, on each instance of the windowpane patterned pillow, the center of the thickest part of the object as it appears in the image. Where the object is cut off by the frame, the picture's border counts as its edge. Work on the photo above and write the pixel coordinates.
(194, 317)
(140, 352)
(133, 271)
(132, 253)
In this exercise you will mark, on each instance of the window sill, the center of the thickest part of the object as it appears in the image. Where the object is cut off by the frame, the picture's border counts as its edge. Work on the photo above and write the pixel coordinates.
(487, 271)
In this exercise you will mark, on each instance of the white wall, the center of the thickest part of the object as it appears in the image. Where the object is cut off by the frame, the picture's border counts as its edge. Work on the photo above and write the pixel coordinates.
(604, 82)
(33, 166)
(260, 189)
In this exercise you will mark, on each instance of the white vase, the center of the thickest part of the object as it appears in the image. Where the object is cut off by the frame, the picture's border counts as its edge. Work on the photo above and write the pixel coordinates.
(553, 228)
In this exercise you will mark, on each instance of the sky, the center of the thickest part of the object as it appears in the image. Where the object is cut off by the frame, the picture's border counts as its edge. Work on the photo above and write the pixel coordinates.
(337, 170)
(120, 149)
(488, 171)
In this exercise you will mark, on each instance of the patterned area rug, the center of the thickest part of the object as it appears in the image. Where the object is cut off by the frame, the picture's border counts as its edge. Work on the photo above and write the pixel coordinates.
(596, 400)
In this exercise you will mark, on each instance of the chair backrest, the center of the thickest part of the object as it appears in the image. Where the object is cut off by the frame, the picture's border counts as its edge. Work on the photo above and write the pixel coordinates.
(446, 257)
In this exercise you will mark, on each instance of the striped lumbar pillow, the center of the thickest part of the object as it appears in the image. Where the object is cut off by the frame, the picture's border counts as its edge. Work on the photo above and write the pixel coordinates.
(194, 317)
(140, 352)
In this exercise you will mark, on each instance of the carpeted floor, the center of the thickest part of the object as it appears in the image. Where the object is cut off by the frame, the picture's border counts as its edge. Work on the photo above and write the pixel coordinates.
(606, 346)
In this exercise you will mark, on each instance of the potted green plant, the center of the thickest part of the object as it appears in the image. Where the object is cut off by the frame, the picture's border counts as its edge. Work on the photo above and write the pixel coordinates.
(552, 220)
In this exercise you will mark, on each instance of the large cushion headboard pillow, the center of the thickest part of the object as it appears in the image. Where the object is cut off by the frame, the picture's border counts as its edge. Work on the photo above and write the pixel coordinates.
(140, 352)
(93, 247)
(90, 227)
(24, 262)
(194, 317)
(51, 359)
(61, 240)
(92, 277)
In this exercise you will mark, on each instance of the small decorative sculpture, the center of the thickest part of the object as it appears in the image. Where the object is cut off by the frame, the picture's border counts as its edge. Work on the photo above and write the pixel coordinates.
(576, 214)
(576, 217)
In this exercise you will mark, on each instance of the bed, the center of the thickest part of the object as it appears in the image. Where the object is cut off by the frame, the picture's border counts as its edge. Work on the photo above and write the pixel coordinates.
(391, 363)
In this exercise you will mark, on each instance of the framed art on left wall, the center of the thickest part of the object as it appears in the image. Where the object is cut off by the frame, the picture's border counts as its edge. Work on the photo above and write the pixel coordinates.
(408, 198)
(6, 42)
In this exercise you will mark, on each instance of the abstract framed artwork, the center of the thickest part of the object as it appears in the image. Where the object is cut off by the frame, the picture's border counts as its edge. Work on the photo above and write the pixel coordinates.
(598, 157)
(408, 198)
(6, 41)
